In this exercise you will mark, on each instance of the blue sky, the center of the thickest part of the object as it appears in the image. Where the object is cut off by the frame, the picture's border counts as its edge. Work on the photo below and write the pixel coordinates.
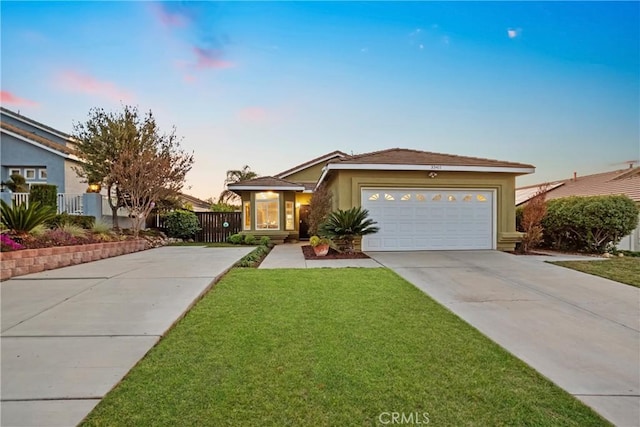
(273, 84)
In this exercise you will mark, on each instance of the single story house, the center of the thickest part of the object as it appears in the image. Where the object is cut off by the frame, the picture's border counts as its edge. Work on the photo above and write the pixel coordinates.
(622, 181)
(420, 200)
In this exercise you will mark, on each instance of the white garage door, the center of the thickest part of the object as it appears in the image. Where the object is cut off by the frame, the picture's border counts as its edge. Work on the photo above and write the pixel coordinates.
(433, 219)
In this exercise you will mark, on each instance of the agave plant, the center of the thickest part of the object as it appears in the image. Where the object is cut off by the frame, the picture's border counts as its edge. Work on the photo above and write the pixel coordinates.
(346, 225)
(21, 219)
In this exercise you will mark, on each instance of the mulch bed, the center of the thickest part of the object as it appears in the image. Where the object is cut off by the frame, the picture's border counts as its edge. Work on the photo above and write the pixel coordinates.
(309, 254)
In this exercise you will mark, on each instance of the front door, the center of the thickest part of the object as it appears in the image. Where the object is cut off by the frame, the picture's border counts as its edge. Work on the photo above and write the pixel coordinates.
(304, 222)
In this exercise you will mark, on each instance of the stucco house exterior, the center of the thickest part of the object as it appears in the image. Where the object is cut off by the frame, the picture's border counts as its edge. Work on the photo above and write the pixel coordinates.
(621, 181)
(39, 153)
(420, 200)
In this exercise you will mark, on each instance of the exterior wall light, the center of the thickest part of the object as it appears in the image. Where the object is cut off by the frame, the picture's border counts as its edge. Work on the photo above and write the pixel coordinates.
(432, 174)
(94, 188)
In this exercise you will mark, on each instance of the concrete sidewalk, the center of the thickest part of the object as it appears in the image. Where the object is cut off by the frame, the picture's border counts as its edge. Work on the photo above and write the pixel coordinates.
(580, 331)
(69, 335)
(290, 256)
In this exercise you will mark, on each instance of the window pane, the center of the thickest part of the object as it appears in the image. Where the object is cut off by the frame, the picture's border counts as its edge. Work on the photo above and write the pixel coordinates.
(289, 214)
(247, 216)
(267, 211)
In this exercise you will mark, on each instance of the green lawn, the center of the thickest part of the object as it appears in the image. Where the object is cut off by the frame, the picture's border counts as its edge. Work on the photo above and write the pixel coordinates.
(330, 347)
(624, 270)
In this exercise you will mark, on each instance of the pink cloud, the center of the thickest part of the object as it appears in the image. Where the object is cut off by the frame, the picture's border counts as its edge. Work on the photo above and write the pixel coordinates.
(253, 115)
(168, 19)
(210, 58)
(88, 85)
(10, 99)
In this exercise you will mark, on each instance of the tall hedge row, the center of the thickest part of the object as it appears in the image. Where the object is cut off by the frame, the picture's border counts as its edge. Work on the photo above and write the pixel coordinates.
(45, 194)
(589, 224)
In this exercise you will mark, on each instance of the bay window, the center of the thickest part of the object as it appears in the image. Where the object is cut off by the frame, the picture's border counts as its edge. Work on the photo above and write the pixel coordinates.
(267, 211)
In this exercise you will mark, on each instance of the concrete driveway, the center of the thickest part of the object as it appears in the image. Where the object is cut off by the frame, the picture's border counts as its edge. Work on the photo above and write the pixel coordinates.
(69, 335)
(580, 331)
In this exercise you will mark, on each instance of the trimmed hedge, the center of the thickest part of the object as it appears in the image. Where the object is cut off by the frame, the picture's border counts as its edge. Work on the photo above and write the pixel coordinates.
(590, 224)
(45, 194)
(181, 224)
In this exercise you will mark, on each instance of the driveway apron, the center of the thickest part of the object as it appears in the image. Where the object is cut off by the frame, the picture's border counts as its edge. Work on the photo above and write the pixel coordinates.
(580, 331)
(70, 335)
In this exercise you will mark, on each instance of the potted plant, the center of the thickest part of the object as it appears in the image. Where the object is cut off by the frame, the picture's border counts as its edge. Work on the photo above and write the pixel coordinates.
(320, 245)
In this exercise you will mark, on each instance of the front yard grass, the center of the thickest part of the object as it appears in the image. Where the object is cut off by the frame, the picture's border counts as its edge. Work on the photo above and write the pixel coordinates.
(624, 270)
(330, 347)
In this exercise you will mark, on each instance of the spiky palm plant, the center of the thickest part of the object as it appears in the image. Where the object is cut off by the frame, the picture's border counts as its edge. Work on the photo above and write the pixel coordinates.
(21, 219)
(346, 225)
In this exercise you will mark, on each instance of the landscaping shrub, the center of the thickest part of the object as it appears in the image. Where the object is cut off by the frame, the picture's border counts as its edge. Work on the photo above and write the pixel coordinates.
(319, 208)
(253, 258)
(236, 239)
(8, 244)
(344, 226)
(181, 224)
(265, 241)
(83, 221)
(531, 221)
(45, 194)
(589, 224)
(21, 219)
(249, 239)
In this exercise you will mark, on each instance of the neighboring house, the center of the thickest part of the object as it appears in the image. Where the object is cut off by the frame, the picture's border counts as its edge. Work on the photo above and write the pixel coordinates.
(623, 181)
(41, 154)
(420, 200)
(198, 205)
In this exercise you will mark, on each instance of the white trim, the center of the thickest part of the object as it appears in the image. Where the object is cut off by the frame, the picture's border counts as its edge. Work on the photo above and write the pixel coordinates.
(40, 172)
(308, 165)
(12, 170)
(263, 188)
(494, 197)
(39, 126)
(433, 168)
(34, 177)
(44, 147)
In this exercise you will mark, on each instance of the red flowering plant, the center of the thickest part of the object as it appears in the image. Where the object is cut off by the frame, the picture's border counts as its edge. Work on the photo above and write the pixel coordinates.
(8, 244)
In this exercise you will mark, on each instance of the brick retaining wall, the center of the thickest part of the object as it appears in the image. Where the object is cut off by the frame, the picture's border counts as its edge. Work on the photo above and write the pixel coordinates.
(18, 263)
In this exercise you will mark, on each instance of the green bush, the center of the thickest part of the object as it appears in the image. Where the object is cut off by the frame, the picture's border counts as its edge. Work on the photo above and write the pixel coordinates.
(589, 224)
(253, 258)
(519, 215)
(181, 224)
(345, 225)
(21, 219)
(265, 241)
(249, 239)
(45, 194)
(236, 239)
(83, 221)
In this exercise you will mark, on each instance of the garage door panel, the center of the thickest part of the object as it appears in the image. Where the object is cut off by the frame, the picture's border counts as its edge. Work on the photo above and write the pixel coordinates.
(429, 219)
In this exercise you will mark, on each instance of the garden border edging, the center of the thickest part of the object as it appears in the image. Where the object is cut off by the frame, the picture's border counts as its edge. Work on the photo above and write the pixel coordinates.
(26, 261)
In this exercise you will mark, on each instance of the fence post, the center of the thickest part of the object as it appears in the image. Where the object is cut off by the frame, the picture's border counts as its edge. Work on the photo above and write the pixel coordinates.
(92, 205)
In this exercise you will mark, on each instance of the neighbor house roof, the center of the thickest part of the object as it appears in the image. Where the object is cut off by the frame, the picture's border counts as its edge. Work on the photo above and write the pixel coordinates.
(321, 159)
(34, 123)
(197, 203)
(266, 183)
(622, 181)
(37, 140)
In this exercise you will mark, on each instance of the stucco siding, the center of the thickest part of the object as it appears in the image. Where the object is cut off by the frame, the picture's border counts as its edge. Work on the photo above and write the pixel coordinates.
(17, 153)
(72, 182)
(347, 185)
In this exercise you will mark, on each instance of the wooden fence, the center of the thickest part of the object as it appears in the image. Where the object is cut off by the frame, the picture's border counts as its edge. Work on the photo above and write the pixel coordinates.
(218, 226)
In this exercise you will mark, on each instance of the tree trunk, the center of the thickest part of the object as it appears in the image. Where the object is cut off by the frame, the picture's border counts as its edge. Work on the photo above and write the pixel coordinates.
(114, 208)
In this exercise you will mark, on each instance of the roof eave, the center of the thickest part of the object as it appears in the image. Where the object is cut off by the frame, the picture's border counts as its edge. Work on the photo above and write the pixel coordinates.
(524, 169)
(263, 188)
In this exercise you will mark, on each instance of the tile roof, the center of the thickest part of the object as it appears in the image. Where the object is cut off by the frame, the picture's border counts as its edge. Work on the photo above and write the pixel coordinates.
(403, 156)
(37, 138)
(622, 181)
(266, 182)
(312, 162)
